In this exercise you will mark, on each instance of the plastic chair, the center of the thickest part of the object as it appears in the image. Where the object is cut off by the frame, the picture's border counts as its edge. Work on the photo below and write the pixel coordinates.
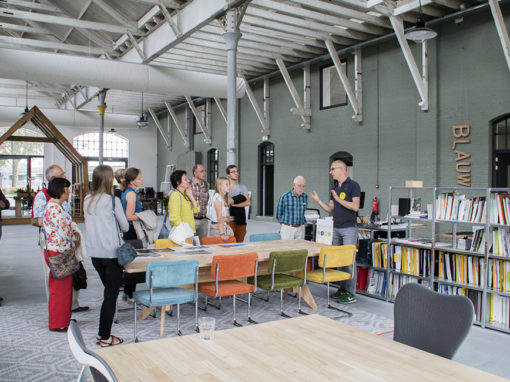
(333, 257)
(265, 236)
(163, 279)
(91, 362)
(211, 240)
(164, 243)
(431, 321)
(280, 263)
(225, 269)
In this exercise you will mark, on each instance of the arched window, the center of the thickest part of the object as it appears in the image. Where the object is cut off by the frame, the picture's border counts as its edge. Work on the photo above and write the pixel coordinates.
(266, 179)
(21, 164)
(115, 150)
(212, 166)
(501, 151)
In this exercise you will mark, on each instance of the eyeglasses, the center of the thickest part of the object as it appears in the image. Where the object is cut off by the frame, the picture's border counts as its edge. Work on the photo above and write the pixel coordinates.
(234, 172)
(334, 168)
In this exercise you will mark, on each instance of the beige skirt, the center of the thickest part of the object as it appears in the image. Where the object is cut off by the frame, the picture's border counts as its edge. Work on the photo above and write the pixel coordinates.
(214, 230)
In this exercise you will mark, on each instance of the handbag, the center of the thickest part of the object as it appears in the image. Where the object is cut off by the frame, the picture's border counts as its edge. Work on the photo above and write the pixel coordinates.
(80, 278)
(163, 234)
(126, 253)
(64, 264)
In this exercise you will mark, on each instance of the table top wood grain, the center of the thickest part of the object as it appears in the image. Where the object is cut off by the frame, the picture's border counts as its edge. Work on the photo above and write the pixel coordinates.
(263, 249)
(308, 348)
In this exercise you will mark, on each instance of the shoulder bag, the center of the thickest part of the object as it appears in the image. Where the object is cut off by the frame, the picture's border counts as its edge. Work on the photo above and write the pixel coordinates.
(64, 264)
(126, 253)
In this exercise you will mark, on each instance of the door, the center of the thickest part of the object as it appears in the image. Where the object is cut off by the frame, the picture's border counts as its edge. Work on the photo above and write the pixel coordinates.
(266, 179)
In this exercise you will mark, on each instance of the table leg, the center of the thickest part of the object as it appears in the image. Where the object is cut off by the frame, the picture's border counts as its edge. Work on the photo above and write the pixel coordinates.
(146, 311)
(306, 295)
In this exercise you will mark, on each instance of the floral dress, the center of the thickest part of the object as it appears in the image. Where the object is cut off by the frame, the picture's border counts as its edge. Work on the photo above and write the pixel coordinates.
(57, 226)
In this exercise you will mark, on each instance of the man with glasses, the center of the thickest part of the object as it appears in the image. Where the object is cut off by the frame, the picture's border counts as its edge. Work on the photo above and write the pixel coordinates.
(38, 207)
(238, 199)
(344, 205)
(291, 211)
(200, 189)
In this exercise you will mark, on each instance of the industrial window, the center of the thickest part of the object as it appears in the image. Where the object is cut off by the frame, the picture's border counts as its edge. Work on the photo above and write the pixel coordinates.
(212, 167)
(333, 93)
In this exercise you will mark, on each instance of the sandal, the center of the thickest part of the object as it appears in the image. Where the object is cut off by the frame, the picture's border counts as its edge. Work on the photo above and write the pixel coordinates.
(112, 341)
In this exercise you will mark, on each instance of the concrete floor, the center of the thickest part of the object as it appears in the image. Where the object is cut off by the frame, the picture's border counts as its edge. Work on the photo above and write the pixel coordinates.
(21, 282)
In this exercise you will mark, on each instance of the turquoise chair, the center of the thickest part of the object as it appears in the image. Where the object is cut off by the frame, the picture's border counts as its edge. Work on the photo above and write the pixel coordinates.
(265, 236)
(280, 264)
(163, 279)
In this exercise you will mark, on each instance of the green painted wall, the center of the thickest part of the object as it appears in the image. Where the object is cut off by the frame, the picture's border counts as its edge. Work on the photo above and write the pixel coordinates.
(468, 84)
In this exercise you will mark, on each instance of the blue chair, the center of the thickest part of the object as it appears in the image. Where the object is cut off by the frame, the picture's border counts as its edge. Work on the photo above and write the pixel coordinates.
(163, 279)
(265, 236)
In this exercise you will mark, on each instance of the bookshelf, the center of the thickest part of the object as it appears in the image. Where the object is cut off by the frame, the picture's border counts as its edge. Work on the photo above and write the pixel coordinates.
(479, 269)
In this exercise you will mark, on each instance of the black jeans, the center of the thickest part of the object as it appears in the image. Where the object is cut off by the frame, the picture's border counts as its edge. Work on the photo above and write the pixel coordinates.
(110, 273)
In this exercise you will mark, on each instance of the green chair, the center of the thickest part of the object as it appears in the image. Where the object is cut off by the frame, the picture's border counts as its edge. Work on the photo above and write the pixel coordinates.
(280, 264)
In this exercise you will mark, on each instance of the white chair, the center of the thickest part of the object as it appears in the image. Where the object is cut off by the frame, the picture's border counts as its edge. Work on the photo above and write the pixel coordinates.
(92, 363)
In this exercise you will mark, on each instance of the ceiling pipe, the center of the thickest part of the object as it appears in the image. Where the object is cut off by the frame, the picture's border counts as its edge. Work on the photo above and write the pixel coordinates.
(77, 70)
(70, 118)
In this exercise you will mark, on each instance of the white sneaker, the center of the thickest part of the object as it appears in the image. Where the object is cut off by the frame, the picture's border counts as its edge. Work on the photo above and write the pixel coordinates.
(130, 300)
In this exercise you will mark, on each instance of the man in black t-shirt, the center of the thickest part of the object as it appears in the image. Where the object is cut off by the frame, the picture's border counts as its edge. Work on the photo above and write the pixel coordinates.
(344, 204)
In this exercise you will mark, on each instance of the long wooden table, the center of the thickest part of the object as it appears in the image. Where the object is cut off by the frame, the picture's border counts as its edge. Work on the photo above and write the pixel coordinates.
(309, 348)
(263, 249)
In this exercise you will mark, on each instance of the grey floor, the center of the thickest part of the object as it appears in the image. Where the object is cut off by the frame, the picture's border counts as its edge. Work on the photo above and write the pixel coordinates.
(21, 283)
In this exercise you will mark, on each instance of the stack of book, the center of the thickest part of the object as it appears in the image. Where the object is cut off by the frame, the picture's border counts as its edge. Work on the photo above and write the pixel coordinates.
(376, 282)
(501, 213)
(462, 269)
(414, 261)
(455, 206)
(379, 254)
(499, 275)
(498, 310)
(501, 242)
(478, 242)
(397, 281)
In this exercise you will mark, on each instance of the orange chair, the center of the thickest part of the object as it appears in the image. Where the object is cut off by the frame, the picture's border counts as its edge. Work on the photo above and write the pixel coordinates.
(217, 240)
(226, 269)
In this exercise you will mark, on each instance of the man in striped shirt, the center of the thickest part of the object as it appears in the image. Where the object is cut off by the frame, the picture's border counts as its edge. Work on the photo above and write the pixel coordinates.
(200, 190)
(291, 211)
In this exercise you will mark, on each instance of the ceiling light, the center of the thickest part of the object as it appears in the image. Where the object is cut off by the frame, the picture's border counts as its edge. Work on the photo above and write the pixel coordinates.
(142, 121)
(420, 32)
(112, 130)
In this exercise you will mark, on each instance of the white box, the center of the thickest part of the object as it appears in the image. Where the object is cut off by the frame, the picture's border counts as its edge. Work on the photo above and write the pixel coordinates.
(324, 233)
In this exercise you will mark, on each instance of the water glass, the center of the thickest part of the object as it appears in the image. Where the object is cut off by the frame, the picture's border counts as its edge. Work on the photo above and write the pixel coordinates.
(206, 326)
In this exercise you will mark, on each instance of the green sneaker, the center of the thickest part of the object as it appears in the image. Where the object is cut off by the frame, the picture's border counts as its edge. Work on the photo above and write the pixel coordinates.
(339, 293)
(347, 298)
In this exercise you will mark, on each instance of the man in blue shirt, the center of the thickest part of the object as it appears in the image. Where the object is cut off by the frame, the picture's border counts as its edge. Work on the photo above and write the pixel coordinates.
(291, 211)
(344, 205)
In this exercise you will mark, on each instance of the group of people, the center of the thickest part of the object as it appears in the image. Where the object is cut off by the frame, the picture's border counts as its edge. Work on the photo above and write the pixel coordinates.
(109, 216)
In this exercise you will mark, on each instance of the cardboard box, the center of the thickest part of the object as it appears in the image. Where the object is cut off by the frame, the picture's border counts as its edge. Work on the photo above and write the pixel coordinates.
(414, 183)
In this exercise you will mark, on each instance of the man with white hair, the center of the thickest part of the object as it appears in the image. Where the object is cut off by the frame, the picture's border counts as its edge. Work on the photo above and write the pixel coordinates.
(38, 207)
(291, 210)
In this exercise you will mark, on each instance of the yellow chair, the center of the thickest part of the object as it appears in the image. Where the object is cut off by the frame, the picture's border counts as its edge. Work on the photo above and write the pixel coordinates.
(333, 257)
(164, 243)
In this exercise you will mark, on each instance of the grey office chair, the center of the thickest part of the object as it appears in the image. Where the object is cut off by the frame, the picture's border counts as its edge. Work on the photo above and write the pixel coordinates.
(431, 321)
(91, 362)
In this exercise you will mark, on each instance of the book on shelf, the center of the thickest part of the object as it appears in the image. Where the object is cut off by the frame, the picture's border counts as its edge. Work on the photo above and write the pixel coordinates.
(455, 206)
(478, 242)
(499, 275)
(458, 268)
(500, 214)
(498, 310)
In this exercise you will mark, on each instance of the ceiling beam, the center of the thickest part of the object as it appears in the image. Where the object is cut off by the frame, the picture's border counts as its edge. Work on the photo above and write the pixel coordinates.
(167, 3)
(411, 5)
(51, 45)
(67, 21)
(23, 28)
(31, 5)
(192, 17)
(120, 18)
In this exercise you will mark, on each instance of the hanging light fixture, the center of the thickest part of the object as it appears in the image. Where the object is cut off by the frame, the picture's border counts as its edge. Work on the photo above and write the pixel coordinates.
(112, 130)
(142, 121)
(26, 99)
(420, 32)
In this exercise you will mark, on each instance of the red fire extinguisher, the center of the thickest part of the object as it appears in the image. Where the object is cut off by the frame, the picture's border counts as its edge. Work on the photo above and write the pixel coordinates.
(375, 205)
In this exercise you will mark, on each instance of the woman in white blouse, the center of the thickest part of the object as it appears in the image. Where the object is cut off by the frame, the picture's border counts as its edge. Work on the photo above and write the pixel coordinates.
(218, 211)
(103, 215)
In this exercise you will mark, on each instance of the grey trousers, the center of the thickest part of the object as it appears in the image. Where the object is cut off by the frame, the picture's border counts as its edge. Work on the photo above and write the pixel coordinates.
(344, 236)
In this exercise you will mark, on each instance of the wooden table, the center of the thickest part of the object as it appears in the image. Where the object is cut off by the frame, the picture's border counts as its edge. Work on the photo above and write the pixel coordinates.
(308, 348)
(263, 248)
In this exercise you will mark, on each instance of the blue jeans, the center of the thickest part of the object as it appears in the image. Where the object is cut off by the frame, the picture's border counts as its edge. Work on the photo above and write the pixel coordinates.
(344, 236)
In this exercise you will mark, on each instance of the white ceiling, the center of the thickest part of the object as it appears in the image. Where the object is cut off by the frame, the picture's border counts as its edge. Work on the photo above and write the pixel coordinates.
(187, 34)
